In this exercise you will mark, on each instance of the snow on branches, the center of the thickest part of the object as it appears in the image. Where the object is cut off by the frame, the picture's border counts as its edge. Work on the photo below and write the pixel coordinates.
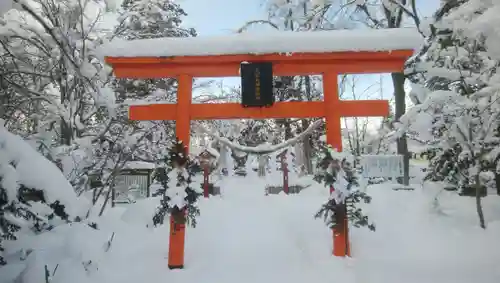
(336, 172)
(457, 91)
(151, 19)
(51, 62)
(34, 194)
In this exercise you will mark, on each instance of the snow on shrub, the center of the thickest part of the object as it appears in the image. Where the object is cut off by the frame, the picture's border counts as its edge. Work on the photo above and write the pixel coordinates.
(180, 190)
(335, 170)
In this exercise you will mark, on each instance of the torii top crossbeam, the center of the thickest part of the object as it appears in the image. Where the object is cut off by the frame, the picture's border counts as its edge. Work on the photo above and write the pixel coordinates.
(328, 53)
(292, 53)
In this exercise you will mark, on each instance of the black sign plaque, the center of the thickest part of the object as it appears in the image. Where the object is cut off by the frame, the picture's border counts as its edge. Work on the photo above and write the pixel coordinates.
(257, 84)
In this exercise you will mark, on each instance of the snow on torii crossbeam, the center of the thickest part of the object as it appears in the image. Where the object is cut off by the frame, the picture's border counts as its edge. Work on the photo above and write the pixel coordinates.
(328, 53)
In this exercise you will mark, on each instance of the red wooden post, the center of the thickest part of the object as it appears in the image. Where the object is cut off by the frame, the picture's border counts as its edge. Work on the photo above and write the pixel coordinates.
(284, 168)
(177, 237)
(206, 175)
(176, 244)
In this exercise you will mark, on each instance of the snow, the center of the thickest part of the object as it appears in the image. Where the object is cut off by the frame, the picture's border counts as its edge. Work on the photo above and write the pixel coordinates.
(416, 241)
(139, 165)
(276, 179)
(266, 43)
(197, 150)
(177, 192)
(421, 243)
(35, 171)
(106, 98)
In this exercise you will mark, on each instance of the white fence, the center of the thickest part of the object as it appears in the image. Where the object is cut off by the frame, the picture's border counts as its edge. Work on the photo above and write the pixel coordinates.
(382, 166)
(135, 186)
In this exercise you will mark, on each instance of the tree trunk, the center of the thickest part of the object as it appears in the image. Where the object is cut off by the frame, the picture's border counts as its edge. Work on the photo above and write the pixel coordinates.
(307, 146)
(262, 162)
(398, 81)
(307, 155)
(288, 129)
(479, 206)
(3, 109)
(66, 133)
(357, 141)
(307, 150)
(497, 182)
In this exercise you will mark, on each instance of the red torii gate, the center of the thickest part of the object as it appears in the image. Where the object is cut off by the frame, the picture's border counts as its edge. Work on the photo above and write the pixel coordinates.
(185, 68)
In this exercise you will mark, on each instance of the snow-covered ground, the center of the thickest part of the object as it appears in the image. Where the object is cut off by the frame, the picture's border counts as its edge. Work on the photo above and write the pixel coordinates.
(419, 240)
(246, 237)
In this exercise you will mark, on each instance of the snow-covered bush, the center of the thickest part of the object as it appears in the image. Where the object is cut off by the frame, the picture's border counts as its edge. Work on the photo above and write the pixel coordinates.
(335, 171)
(180, 187)
(34, 194)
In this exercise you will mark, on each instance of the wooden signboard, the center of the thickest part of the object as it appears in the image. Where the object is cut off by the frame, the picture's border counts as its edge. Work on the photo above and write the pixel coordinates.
(257, 84)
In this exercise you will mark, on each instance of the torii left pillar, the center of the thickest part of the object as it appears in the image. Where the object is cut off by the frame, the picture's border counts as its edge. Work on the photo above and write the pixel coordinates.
(182, 130)
(341, 242)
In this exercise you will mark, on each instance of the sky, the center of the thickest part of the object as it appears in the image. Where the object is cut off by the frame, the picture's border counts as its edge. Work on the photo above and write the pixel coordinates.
(219, 17)
(5, 5)
(216, 17)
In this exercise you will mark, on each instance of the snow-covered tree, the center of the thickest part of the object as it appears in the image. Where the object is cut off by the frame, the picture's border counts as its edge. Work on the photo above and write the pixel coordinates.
(49, 57)
(348, 14)
(53, 84)
(126, 140)
(456, 89)
(143, 20)
(152, 19)
(55, 91)
(336, 171)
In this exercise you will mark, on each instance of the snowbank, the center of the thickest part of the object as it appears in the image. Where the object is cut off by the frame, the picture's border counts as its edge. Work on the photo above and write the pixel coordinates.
(35, 171)
(267, 43)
